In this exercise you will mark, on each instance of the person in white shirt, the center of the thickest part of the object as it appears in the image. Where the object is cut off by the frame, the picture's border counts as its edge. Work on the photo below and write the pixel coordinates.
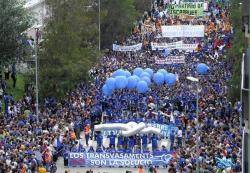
(179, 136)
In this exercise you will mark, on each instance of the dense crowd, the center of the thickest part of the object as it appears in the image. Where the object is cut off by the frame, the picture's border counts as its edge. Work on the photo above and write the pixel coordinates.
(30, 143)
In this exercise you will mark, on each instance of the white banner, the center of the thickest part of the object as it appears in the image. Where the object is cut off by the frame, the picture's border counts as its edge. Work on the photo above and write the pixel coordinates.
(170, 46)
(183, 31)
(205, 6)
(127, 48)
(189, 47)
(171, 60)
(175, 45)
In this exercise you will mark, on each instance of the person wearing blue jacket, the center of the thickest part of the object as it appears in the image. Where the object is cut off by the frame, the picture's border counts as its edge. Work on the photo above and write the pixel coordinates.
(154, 140)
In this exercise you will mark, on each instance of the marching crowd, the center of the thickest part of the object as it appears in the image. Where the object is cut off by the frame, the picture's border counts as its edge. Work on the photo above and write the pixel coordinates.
(30, 143)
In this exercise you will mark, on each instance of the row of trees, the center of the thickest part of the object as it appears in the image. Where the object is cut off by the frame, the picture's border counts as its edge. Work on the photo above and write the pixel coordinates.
(235, 53)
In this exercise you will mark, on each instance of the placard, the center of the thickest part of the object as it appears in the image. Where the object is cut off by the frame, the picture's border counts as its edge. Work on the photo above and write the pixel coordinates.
(170, 60)
(132, 48)
(188, 8)
(183, 31)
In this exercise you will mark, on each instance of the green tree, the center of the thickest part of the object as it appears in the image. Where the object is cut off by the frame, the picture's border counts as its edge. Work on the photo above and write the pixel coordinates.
(143, 5)
(14, 20)
(235, 53)
(117, 20)
(70, 46)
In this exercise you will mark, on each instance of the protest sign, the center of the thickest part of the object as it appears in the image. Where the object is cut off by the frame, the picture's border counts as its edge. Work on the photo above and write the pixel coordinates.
(189, 47)
(117, 159)
(183, 31)
(170, 60)
(188, 8)
(170, 46)
(175, 45)
(132, 48)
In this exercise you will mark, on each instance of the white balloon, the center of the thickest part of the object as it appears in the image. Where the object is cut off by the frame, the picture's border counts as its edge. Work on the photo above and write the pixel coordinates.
(133, 130)
(151, 130)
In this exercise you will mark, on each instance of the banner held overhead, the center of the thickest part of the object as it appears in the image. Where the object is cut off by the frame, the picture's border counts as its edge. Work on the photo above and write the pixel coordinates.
(188, 8)
(132, 48)
(170, 60)
(183, 31)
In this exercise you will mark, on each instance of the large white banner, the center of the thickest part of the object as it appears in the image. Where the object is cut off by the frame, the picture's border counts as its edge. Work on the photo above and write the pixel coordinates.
(171, 60)
(127, 48)
(175, 45)
(183, 31)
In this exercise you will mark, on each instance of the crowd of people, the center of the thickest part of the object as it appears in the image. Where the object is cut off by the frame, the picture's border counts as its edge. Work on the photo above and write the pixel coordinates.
(30, 143)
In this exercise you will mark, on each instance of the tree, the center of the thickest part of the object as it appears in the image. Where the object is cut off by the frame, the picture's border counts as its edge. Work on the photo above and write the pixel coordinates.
(69, 48)
(117, 20)
(143, 5)
(15, 19)
(235, 53)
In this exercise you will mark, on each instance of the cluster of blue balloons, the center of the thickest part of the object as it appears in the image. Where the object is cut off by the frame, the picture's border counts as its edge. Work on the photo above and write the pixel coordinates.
(139, 80)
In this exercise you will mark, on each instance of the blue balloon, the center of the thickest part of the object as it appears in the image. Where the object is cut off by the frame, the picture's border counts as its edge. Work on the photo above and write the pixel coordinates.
(146, 79)
(137, 78)
(137, 71)
(149, 71)
(202, 68)
(121, 82)
(159, 78)
(165, 52)
(163, 71)
(142, 87)
(106, 91)
(128, 74)
(143, 74)
(110, 82)
(170, 79)
(132, 82)
(119, 72)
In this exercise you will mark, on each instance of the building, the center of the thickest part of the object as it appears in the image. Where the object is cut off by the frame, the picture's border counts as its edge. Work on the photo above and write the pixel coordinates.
(40, 13)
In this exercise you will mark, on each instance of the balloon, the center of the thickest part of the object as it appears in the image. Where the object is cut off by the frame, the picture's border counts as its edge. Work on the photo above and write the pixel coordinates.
(137, 71)
(146, 79)
(163, 71)
(137, 78)
(132, 82)
(119, 72)
(149, 71)
(121, 82)
(145, 74)
(159, 78)
(165, 52)
(142, 87)
(110, 82)
(170, 79)
(127, 73)
(202, 68)
(106, 91)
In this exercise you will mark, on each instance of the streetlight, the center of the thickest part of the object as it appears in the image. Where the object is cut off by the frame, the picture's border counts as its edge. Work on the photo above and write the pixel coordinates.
(193, 79)
(35, 47)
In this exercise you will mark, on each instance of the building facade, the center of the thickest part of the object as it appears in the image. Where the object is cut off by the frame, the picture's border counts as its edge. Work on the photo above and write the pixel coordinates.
(40, 13)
